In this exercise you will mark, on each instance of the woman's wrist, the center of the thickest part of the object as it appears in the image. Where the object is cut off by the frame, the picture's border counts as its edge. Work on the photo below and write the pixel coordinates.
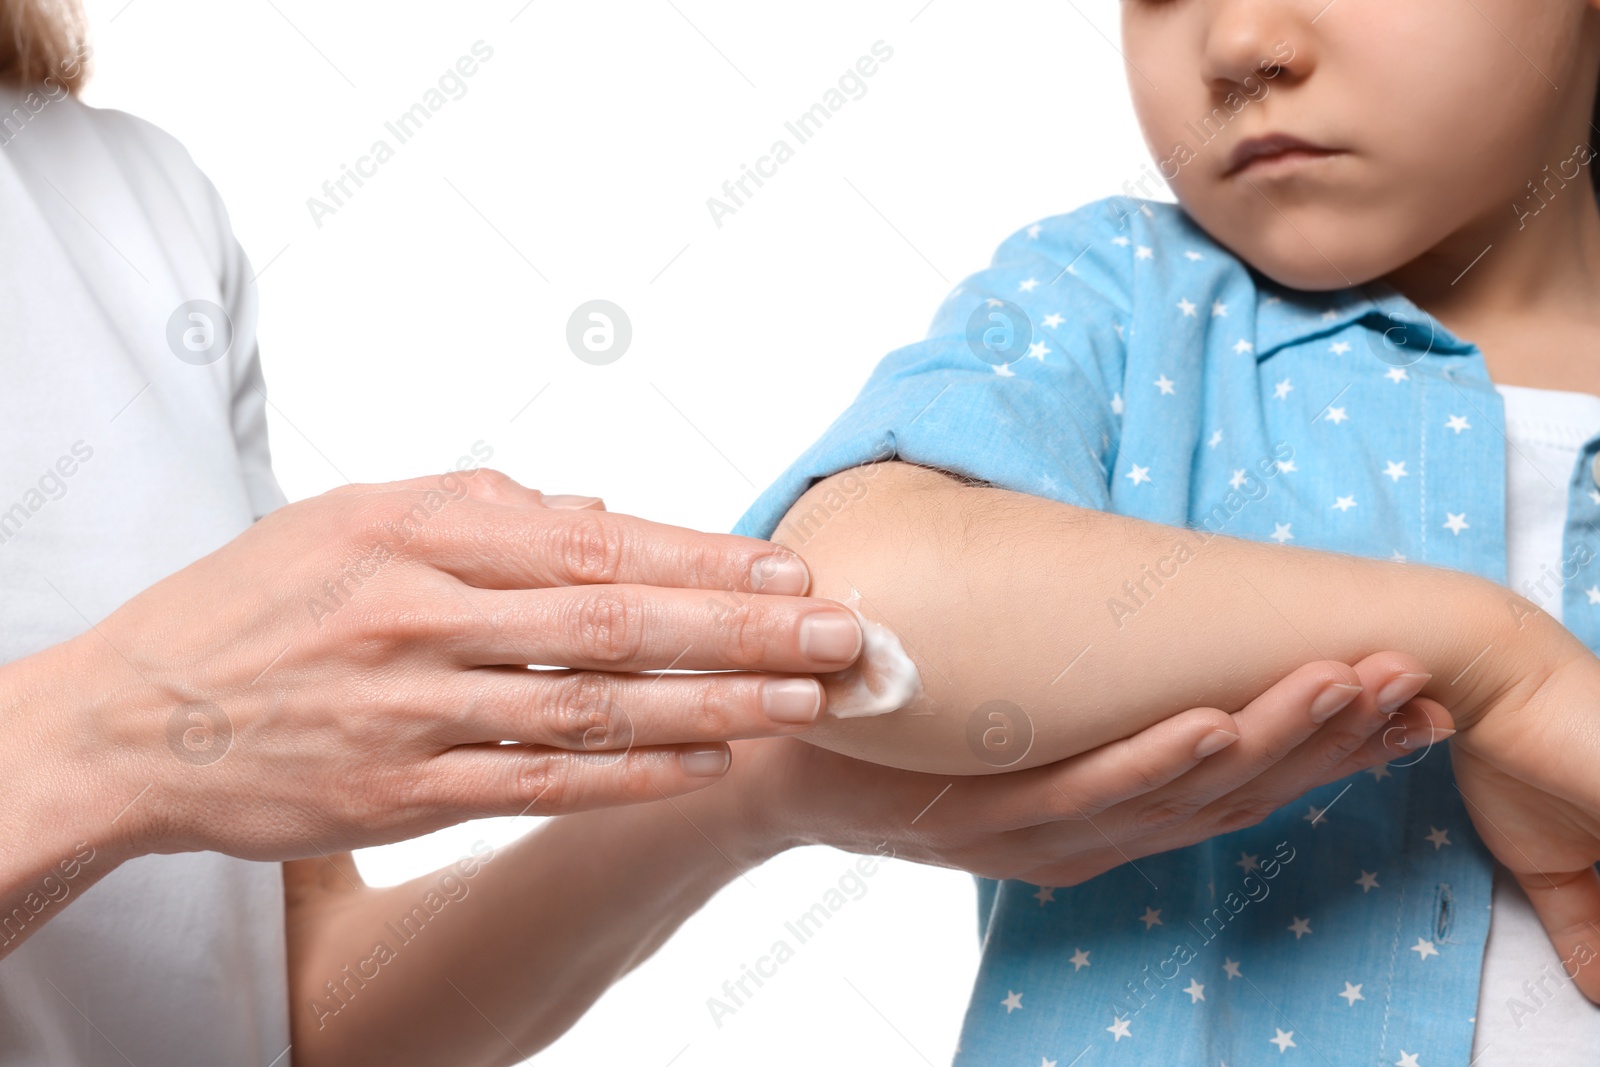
(77, 786)
(743, 814)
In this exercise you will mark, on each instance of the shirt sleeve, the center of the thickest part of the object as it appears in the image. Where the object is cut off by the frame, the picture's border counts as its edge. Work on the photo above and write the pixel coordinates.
(1018, 382)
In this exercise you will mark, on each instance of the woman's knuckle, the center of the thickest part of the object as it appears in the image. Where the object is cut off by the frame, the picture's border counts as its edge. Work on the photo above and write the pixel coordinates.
(580, 711)
(1246, 813)
(1164, 814)
(749, 635)
(587, 546)
(608, 626)
(541, 785)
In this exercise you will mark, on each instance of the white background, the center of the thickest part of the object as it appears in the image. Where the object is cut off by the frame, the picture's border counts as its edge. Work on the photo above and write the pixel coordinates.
(428, 311)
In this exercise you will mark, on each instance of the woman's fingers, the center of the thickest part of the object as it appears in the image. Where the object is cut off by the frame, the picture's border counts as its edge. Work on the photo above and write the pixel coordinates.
(1271, 727)
(565, 545)
(1088, 784)
(483, 781)
(599, 711)
(641, 628)
(1323, 753)
(1405, 738)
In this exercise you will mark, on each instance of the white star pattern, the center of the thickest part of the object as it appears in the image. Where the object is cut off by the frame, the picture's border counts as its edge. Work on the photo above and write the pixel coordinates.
(1396, 374)
(1045, 895)
(1380, 772)
(1216, 439)
(1120, 241)
(1193, 256)
(1313, 815)
(1456, 523)
(1395, 470)
(1282, 389)
(1280, 532)
(1339, 348)
(1336, 415)
(1300, 927)
(1139, 474)
(1029, 285)
(1407, 1059)
(1242, 346)
(1284, 1040)
(1033, 232)
(1345, 503)
(1151, 917)
(1118, 1029)
(1012, 1002)
(1286, 466)
(1038, 350)
(1368, 880)
(1593, 593)
(1165, 384)
(1187, 308)
(1116, 403)
(1238, 478)
(1080, 960)
(1144, 252)
(1196, 991)
(1232, 967)
(1439, 838)
(1051, 321)
(1352, 993)
(1424, 948)
(1458, 423)
(1219, 310)
(1247, 862)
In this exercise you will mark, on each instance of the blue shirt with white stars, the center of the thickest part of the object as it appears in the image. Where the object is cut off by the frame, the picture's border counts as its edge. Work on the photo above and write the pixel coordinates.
(1117, 357)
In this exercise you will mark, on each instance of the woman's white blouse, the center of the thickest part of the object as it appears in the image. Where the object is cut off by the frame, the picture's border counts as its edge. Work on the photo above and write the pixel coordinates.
(123, 462)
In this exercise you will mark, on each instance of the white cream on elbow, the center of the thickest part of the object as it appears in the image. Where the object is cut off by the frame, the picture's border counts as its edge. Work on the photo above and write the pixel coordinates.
(882, 680)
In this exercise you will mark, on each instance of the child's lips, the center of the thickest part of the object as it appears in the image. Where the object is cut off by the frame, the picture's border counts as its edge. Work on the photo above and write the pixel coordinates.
(1275, 151)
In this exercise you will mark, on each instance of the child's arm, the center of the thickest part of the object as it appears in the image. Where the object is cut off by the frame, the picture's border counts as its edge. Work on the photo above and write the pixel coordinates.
(1001, 596)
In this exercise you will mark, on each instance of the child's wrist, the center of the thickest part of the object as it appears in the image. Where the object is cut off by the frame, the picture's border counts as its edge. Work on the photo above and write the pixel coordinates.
(1508, 648)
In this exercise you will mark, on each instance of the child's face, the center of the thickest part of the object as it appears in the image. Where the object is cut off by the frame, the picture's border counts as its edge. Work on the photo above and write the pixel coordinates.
(1445, 110)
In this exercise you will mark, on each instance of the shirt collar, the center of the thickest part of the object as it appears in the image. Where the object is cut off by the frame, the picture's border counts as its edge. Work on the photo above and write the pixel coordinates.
(1398, 330)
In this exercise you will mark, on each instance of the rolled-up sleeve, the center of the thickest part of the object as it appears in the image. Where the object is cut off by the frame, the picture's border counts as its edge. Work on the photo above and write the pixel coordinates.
(1018, 382)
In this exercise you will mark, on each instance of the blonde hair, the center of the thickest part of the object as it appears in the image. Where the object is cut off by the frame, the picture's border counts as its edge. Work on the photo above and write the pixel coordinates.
(44, 42)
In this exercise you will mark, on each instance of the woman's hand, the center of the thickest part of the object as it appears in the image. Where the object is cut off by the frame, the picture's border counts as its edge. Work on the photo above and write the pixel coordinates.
(1063, 823)
(343, 673)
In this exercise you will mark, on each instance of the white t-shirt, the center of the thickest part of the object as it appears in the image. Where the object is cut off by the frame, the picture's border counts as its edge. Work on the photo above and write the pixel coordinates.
(1528, 1011)
(106, 228)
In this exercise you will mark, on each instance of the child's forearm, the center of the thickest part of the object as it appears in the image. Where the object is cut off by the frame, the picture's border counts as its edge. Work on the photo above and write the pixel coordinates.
(1084, 627)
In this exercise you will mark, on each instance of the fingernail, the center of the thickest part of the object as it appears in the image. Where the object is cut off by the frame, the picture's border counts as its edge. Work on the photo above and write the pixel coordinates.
(777, 575)
(1214, 742)
(1422, 737)
(705, 762)
(792, 700)
(567, 500)
(1400, 689)
(1332, 700)
(830, 637)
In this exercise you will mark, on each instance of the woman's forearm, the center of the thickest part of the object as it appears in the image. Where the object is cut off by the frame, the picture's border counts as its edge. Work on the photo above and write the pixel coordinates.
(68, 815)
(1042, 630)
(490, 960)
